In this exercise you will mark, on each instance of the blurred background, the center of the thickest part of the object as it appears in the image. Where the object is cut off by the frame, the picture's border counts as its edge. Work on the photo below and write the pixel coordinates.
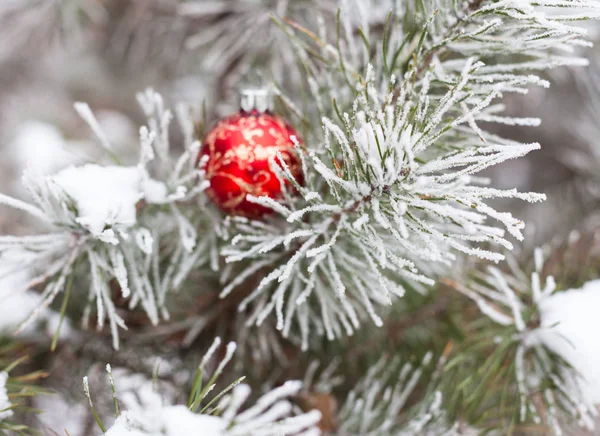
(56, 52)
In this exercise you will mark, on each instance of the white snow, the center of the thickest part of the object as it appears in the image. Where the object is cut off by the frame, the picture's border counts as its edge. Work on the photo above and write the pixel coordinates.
(137, 393)
(154, 191)
(58, 414)
(4, 401)
(106, 196)
(570, 326)
(167, 421)
(272, 414)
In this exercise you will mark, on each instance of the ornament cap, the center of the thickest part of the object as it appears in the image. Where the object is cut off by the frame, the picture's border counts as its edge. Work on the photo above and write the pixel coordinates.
(259, 99)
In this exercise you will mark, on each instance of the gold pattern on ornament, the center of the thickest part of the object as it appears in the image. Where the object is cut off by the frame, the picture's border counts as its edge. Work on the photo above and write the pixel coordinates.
(245, 154)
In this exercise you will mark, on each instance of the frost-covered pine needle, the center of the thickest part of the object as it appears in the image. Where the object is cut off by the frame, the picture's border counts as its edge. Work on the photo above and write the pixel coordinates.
(107, 221)
(272, 414)
(392, 194)
(526, 309)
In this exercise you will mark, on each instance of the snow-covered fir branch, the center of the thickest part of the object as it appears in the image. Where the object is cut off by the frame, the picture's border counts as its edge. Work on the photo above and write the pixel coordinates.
(534, 328)
(108, 222)
(224, 412)
(394, 396)
(379, 404)
(391, 151)
(397, 105)
(391, 185)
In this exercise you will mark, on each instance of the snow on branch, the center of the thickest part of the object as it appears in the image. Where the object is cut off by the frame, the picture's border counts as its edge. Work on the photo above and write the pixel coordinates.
(529, 306)
(391, 185)
(222, 415)
(391, 196)
(112, 219)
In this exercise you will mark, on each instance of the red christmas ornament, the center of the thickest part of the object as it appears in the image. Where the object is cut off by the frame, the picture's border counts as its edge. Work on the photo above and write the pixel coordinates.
(239, 149)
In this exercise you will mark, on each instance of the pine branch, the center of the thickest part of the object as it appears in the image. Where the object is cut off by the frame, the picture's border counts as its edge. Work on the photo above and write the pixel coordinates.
(518, 377)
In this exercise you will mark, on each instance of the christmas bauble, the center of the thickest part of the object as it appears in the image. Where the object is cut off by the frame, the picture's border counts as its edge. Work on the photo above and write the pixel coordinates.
(239, 149)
